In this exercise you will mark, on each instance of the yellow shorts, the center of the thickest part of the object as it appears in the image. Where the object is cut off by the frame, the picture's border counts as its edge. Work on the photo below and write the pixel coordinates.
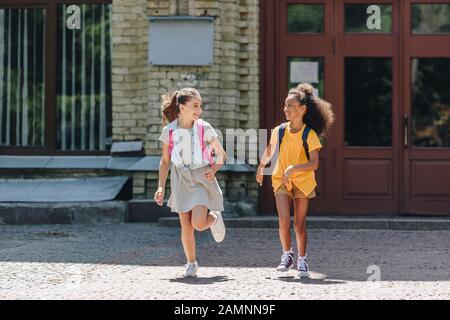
(295, 193)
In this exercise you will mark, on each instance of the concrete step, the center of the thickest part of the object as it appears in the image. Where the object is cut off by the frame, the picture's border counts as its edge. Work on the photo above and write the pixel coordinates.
(77, 189)
(146, 210)
(63, 212)
(336, 222)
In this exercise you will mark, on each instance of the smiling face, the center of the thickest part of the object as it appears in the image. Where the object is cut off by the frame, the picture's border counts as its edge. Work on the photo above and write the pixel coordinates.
(192, 109)
(292, 108)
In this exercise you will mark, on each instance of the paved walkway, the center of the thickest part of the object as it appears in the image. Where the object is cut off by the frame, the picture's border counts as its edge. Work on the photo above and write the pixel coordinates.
(143, 261)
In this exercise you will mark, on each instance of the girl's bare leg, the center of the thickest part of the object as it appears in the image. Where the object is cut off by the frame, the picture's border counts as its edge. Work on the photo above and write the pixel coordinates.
(284, 220)
(300, 211)
(187, 236)
(201, 219)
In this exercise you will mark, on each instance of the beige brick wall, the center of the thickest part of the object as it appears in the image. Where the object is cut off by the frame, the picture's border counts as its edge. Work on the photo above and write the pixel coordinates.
(230, 87)
(129, 69)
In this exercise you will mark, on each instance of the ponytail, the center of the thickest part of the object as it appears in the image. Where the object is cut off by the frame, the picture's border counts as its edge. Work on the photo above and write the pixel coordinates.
(170, 107)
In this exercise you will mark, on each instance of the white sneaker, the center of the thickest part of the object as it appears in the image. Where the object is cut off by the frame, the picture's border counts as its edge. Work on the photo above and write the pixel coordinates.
(190, 269)
(218, 227)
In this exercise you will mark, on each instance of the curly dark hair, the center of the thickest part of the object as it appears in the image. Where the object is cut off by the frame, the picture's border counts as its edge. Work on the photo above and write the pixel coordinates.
(319, 113)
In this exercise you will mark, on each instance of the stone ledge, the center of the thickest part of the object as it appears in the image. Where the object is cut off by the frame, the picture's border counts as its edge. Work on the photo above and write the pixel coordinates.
(147, 163)
(17, 213)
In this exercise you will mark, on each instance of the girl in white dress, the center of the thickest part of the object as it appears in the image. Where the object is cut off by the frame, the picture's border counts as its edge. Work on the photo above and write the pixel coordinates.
(188, 143)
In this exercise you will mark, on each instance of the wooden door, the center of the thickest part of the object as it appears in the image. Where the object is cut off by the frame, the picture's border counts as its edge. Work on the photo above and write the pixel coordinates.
(299, 35)
(367, 101)
(426, 129)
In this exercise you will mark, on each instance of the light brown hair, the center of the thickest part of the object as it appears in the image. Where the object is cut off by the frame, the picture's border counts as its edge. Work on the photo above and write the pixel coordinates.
(170, 107)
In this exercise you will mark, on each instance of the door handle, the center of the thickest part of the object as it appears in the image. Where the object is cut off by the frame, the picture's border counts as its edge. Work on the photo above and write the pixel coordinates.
(405, 129)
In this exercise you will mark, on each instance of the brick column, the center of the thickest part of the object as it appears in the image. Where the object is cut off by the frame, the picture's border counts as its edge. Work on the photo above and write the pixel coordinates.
(129, 69)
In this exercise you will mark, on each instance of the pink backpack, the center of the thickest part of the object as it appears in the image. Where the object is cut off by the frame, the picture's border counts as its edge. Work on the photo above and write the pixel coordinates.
(201, 133)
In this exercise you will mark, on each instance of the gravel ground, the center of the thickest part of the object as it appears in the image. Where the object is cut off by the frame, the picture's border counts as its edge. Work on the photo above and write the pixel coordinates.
(144, 261)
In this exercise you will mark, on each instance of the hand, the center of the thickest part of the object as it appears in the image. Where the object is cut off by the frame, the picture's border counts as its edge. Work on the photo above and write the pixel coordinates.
(286, 180)
(159, 196)
(287, 177)
(209, 175)
(260, 176)
(289, 171)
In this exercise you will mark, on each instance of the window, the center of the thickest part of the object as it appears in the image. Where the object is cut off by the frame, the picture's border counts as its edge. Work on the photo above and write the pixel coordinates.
(70, 108)
(430, 18)
(368, 102)
(309, 70)
(305, 18)
(22, 85)
(431, 102)
(368, 18)
(84, 79)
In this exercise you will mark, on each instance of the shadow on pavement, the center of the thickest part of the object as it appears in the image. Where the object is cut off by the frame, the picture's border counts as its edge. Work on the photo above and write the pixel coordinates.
(201, 280)
(312, 280)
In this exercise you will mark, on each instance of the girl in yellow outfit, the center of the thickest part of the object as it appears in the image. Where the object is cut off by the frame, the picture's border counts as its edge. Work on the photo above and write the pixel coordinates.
(293, 178)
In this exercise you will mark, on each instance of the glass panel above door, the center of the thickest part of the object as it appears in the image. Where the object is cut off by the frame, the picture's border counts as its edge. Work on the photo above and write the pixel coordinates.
(368, 18)
(430, 18)
(431, 102)
(305, 18)
(368, 102)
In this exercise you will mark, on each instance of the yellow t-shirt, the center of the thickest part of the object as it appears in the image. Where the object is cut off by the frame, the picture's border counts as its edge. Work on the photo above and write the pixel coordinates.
(293, 153)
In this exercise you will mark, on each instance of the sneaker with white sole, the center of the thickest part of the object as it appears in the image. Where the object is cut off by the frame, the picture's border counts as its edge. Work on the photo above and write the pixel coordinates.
(287, 261)
(190, 269)
(218, 227)
(303, 268)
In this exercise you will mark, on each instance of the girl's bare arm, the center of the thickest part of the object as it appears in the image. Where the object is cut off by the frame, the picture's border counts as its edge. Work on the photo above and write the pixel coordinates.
(220, 154)
(267, 156)
(311, 165)
(164, 166)
(269, 151)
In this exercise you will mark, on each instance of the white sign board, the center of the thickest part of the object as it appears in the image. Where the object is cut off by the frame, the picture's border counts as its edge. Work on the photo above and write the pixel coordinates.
(316, 92)
(304, 72)
(181, 41)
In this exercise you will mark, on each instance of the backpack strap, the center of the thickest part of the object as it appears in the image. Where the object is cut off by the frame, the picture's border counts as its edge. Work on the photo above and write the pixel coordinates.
(281, 130)
(305, 140)
(201, 135)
